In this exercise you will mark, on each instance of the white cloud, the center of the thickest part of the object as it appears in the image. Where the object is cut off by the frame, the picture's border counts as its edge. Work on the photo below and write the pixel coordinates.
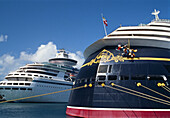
(79, 57)
(3, 38)
(43, 53)
(9, 63)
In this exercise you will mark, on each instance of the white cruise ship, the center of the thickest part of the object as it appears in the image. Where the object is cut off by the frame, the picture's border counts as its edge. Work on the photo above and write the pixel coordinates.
(41, 78)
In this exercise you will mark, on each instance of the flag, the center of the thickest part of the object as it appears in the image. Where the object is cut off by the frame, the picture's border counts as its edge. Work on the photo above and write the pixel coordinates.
(105, 21)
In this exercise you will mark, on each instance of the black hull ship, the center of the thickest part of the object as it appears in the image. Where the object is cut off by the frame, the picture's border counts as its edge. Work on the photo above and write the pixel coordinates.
(127, 73)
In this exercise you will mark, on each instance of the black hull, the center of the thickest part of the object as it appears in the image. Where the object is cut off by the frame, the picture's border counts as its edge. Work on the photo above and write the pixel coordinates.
(104, 97)
(123, 96)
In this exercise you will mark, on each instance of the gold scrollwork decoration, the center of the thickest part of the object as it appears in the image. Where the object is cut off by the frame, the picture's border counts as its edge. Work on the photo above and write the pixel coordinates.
(104, 56)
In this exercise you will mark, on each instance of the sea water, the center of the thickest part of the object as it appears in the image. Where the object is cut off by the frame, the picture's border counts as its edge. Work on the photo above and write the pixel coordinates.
(33, 110)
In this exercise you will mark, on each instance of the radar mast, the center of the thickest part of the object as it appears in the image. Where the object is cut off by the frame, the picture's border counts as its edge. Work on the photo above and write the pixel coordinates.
(156, 14)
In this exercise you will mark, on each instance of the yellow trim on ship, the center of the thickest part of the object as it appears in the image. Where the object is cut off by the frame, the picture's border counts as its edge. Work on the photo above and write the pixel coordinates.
(148, 58)
(106, 56)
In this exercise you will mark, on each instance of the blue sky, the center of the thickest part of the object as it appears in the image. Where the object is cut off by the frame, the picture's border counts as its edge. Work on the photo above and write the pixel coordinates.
(26, 25)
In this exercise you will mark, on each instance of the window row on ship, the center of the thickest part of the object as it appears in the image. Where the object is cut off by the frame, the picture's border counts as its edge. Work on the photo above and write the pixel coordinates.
(15, 84)
(132, 77)
(52, 68)
(151, 25)
(159, 30)
(23, 69)
(109, 73)
(160, 25)
(60, 67)
(13, 78)
(46, 69)
(148, 35)
(15, 88)
(103, 78)
(26, 84)
(58, 87)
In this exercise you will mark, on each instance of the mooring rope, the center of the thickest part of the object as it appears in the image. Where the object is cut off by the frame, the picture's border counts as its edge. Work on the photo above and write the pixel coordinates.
(142, 94)
(138, 95)
(139, 84)
(165, 88)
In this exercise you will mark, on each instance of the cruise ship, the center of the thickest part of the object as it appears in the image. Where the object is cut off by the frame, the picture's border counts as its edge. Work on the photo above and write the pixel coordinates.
(40, 78)
(126, 74)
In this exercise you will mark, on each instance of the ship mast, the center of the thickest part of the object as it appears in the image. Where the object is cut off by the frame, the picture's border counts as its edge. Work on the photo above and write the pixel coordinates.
(156, 14)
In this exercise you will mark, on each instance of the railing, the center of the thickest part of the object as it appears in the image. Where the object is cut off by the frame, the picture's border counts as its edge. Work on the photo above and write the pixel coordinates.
(161, 20)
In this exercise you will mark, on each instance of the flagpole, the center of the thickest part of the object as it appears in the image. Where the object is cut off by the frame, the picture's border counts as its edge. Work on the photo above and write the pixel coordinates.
(104, 25)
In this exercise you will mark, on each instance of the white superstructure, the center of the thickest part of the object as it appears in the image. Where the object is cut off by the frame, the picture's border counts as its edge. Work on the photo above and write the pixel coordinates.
(154, 34)
(40, 78)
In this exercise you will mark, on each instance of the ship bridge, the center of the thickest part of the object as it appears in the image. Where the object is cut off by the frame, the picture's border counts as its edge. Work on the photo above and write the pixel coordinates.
(62, 59)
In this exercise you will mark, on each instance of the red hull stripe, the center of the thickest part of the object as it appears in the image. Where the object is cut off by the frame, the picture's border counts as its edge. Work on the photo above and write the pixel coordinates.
(117, 113)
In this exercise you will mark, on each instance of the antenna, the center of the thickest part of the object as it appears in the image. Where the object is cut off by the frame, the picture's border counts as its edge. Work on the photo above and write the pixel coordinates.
(128, 44)
(156, 14)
